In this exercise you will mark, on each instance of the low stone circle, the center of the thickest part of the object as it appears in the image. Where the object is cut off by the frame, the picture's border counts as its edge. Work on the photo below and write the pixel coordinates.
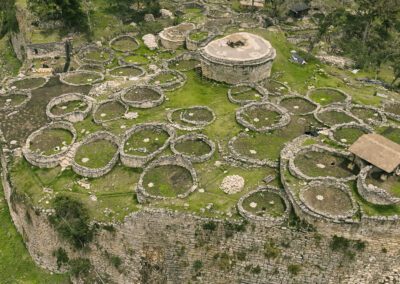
(135, 161)
(112, 41)
(295, 171)
(375, 122)
(86, 49)
(177, 160)
(391, 114)
(171, 85)
(362, 127)
(182, 57)
(372, 193)
(260, 90)
(342, 187)
(43, 161)
(64, 77)
(265, 220)
(284, 86)
(96, 172)
(17, 79)
(99, 104)
(346, 101)
(253, 161)
(91, 67)
(175, 36)
(143, 103)
(192, 44)
(8, 107)
(283, 98)
(74, 116)
(194, 125)
(334, 108)
(284, 120)
(142, 71)
(194, 137)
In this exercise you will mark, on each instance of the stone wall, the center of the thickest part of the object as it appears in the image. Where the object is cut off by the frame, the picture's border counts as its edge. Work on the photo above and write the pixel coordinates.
(134, 161)
(43, 161)
(75, 115)
(194, 137)
(143, 103)
(97, 172)
(46, 50)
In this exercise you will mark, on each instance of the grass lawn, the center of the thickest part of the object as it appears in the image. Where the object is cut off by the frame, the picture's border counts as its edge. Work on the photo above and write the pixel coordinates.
(99, 153)
(82, 78)
(50, 141)
(265, 203)
(29, 83)
(349, 134)
(145, 142)
(67, 107)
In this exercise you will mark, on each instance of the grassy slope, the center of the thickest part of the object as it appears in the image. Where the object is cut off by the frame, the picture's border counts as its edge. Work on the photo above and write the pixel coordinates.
(16, 265)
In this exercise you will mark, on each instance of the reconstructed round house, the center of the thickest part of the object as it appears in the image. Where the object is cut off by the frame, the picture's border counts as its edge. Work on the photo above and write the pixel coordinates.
(239, 57)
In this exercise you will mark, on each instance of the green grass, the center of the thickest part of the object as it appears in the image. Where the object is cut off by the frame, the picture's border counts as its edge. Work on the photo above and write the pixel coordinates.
(148, 140)
(168, 181)
(126, 71)
(349, 134)
(29, 83)
(332, 117)
(136, 59)
(16, 265)
(267, 203)
(82, 78)
(99, 153)
(125, 44)
(193, 147)
(12, 100)
(67, 107)
(198, 36)
(326, 97)
(50, 141)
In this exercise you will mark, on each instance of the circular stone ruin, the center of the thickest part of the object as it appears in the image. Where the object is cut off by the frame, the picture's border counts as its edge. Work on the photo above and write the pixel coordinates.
(251, 150)
(96, 55)
(175, 36)
(27, 83)
(184, 62)
(167, 177)
(81, 78)
(96, 155)
(239, 57)
(328, 199)
(298, 105)
(127, 72)
(124, 43)
(109, 110)
(368, 114)
(91, 67)
(192, 118)
(378, 187)
(332, 115)
(317, 162)
(145, 96)
(262, 117)
(143, 142)
(168, 80)
(347, 133)
(72, 107)
(47, 146)
(392, 110)
(195, 147)
(246, 93)
(266, 205)
(276, 88)
(198, 38)
(14, 100)
(328, 96)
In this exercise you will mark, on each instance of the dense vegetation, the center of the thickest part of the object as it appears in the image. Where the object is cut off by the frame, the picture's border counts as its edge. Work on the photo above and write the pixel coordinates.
(8, 21)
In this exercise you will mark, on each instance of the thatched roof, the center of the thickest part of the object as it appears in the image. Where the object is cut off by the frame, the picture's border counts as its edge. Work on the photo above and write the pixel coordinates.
(378, 151)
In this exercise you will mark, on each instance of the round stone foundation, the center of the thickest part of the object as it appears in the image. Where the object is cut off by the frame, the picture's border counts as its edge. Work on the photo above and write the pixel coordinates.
(236, 58)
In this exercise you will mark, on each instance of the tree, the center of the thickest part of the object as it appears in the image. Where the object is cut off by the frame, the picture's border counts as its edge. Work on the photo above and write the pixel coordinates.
(8, 20)
(69, 11)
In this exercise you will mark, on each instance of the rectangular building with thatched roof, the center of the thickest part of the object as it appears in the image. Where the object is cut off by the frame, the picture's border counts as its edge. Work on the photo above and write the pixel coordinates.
(378, 151)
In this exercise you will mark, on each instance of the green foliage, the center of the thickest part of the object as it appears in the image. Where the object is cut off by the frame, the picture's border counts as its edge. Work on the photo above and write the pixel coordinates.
(62, 257)
(68, 11)
(210, 226)
(346, 246)
(80, 267)
(197, 265)
(71, 221)
(256, 269)
(271, 250)
(8, 20)
(294, 269)
(230, 228)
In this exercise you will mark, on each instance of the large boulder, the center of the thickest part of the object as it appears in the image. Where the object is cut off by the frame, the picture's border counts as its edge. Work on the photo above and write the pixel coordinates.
(150, 41)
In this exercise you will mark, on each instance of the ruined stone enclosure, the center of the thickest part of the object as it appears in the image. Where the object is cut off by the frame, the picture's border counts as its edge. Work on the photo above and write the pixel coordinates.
(239, 57)
(196, 163)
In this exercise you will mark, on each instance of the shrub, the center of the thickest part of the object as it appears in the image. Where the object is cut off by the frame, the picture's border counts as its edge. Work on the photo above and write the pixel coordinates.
(80, 267)
(210, 226)
(197, 265)
(270, 250)
(230, 228)
(339, 243)
(71, 221)
(294, 269)
(256, 270)
(62, 257)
